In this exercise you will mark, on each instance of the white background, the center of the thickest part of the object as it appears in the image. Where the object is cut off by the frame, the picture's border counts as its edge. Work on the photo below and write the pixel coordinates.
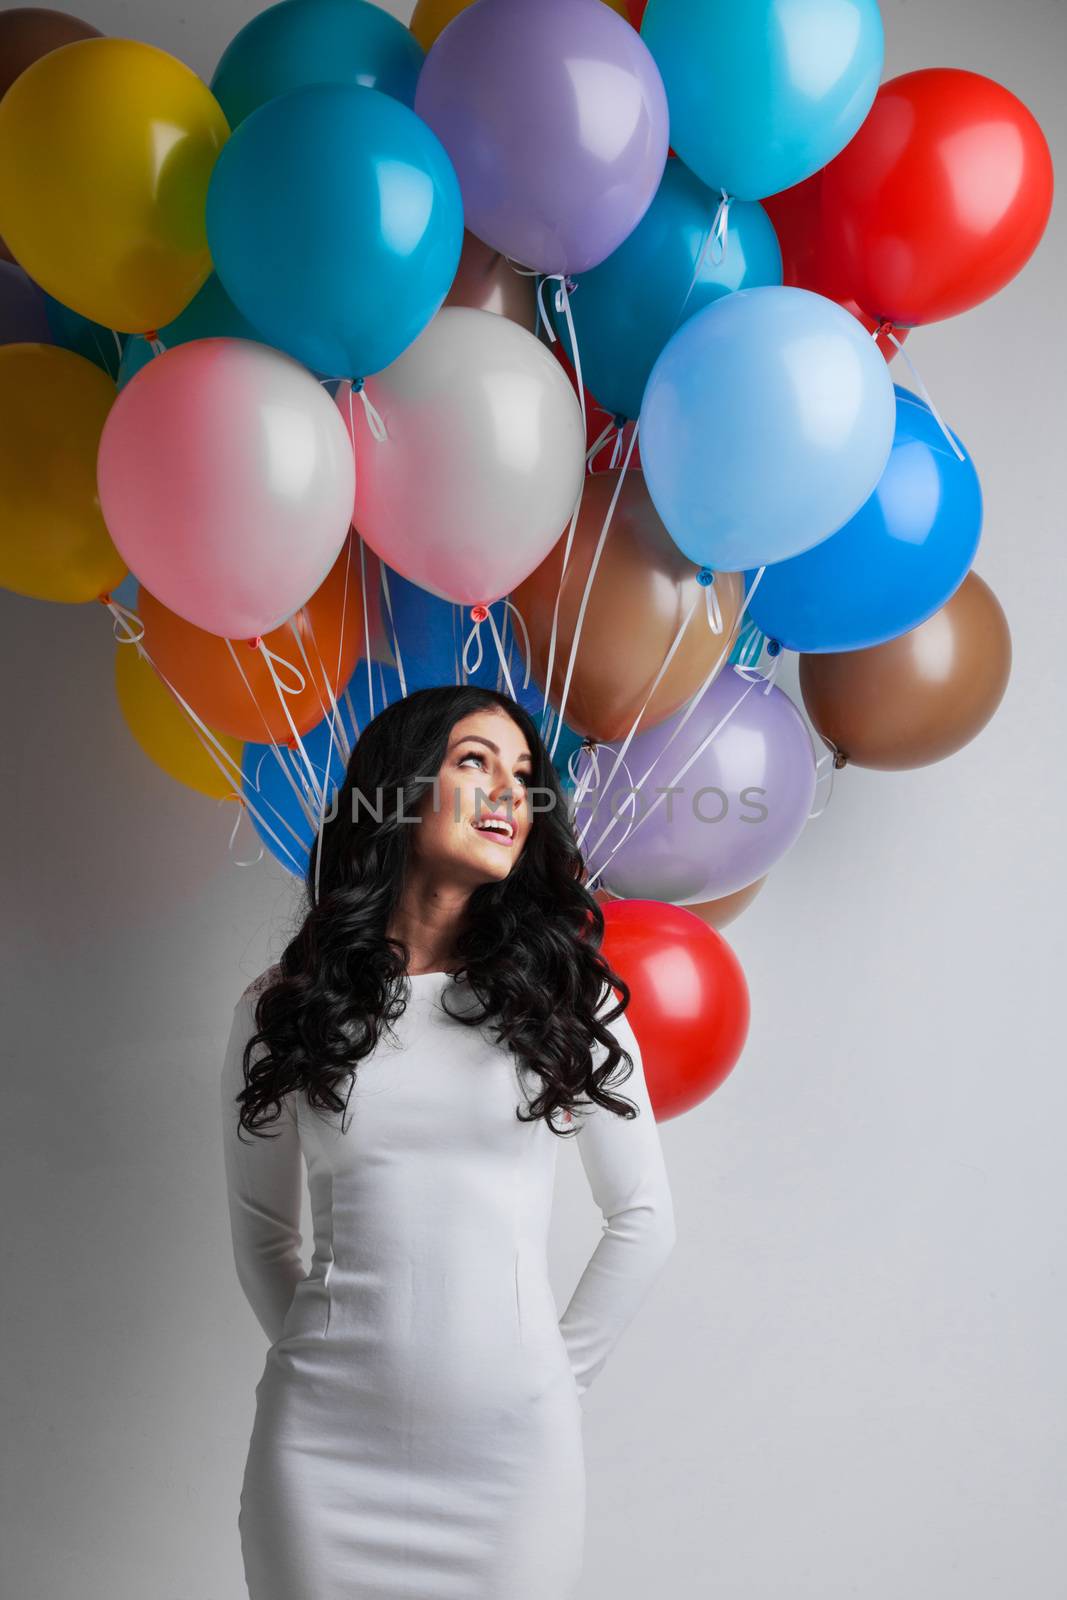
(849, 1381)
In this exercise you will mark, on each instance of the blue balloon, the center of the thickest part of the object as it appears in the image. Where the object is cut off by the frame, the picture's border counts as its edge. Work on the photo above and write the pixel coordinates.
(301, 42)
(627, 308)
(762, 93)
(335, 223)
(268, 790)
(210, 314)
(766, 423)
(431, 634)
(907, 549)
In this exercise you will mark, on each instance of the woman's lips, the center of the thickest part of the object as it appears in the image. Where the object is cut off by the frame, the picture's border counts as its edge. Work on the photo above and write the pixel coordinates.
(499, 829)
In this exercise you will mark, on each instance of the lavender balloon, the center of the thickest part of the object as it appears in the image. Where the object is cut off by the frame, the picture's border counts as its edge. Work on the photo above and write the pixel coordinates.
(555, 117)
(23, 313)
(738, 808)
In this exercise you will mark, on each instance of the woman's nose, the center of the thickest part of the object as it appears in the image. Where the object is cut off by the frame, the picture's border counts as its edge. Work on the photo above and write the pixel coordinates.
(506, 793)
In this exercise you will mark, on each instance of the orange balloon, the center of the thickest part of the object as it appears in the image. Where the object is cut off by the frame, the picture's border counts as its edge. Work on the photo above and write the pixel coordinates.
(689, 1002)
(641, 594)
(200, 666)
(919, 697)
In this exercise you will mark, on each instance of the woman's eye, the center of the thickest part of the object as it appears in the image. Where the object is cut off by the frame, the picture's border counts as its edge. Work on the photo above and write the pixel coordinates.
(475, 756)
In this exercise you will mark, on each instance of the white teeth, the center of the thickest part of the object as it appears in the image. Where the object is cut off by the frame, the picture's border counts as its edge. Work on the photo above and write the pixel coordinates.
(495, 825)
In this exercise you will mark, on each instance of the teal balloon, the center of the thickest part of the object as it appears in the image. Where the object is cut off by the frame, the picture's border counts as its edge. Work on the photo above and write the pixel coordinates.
(301, 42)
(335, 223)
(71, 331)
(210, 314)
(762, 93)
(896, 562)
(626, 309)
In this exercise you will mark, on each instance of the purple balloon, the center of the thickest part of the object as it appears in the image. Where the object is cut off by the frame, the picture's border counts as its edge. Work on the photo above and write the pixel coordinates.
(23, 313)
(555, 117)
(737, 810)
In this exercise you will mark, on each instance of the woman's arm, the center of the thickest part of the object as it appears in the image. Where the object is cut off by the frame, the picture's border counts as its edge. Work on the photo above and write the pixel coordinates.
(264, 1183)
(623, 1160)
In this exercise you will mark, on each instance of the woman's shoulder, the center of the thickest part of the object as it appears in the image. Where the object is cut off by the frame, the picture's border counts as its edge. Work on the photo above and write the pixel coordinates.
(252, 991)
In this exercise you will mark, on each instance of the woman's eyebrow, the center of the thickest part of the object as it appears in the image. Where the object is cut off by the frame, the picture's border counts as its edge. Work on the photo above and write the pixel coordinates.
(476, 738)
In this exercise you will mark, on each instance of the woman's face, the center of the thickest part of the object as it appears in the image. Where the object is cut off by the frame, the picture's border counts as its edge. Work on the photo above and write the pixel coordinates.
(477, 824)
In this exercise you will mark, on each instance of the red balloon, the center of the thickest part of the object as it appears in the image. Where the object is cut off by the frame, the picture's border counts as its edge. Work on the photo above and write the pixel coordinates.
(939, 199)
(689, 1005)
(806, 263)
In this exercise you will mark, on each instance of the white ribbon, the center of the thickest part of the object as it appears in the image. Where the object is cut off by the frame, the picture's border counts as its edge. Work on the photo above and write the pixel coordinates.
(886, 328)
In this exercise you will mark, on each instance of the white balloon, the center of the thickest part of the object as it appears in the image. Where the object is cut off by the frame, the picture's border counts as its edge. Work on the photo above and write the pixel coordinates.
(483, 459)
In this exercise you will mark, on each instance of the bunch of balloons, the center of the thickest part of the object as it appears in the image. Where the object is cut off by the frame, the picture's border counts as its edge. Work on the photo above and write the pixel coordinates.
(543, 344)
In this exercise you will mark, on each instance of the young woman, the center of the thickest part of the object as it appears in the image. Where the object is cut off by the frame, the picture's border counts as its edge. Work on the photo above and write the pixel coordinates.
(442, 1018)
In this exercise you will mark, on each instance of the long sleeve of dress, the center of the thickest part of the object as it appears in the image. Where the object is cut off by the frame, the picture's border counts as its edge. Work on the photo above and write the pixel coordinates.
(623, 1161)
(264, 1184)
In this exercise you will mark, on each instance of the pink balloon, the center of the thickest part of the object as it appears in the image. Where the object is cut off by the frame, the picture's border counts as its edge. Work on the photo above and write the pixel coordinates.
(482, 462)
(226, 481)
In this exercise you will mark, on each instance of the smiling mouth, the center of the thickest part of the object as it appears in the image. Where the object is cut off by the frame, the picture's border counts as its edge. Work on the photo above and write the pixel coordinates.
(499, 829)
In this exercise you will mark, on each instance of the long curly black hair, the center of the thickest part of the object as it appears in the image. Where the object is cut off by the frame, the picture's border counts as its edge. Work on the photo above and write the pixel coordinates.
(528, 950)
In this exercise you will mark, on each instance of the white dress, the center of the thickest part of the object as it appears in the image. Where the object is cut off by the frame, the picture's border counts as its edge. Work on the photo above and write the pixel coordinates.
(418, 1427)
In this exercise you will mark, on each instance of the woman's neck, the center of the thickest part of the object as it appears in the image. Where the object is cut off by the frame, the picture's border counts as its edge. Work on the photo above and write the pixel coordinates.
(427, 920)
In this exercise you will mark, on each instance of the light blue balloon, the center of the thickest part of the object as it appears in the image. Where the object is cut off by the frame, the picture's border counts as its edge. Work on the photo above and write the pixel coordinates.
(626, 309)
(335, 223)
(210, 314)
(904, 553)
(766, 423)
(300, 42)
(762, 93)
(268, 790)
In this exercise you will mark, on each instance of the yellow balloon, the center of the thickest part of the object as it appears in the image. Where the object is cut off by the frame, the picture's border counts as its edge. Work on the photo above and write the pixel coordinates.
(164, 731)
(432, 17)
(106, 149)
(54, 544)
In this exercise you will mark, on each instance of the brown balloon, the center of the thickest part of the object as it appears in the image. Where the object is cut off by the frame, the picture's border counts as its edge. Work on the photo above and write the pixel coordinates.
(918, 697)
(716, 913)
(26, 34)
(486, 281)
(642, 592)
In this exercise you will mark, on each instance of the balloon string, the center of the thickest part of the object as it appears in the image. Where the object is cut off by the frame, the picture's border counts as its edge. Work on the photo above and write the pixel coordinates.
(242, 811)
(123, 618)
(500, 653)
(712, 609)
(886, 328)
(510, 606)
(657, 680)
(720, 230)
(375, 421)
(366, 625)
(599, 443)
(631, 806)
(269, 657)
(588, 748)
(584, 603)
(698, 697)
(397, 657)
(827, 755)
(118, 343)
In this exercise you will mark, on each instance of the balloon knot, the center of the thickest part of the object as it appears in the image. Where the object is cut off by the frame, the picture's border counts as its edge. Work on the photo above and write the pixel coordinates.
(590, 745)
(479, 613)
(705, 577)
(291, 742)
(254, 644)
(840, 759)
(105, 598)
(619, 421)
(773, 647)
(570, 284)
(151, 333)
(357, 385)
